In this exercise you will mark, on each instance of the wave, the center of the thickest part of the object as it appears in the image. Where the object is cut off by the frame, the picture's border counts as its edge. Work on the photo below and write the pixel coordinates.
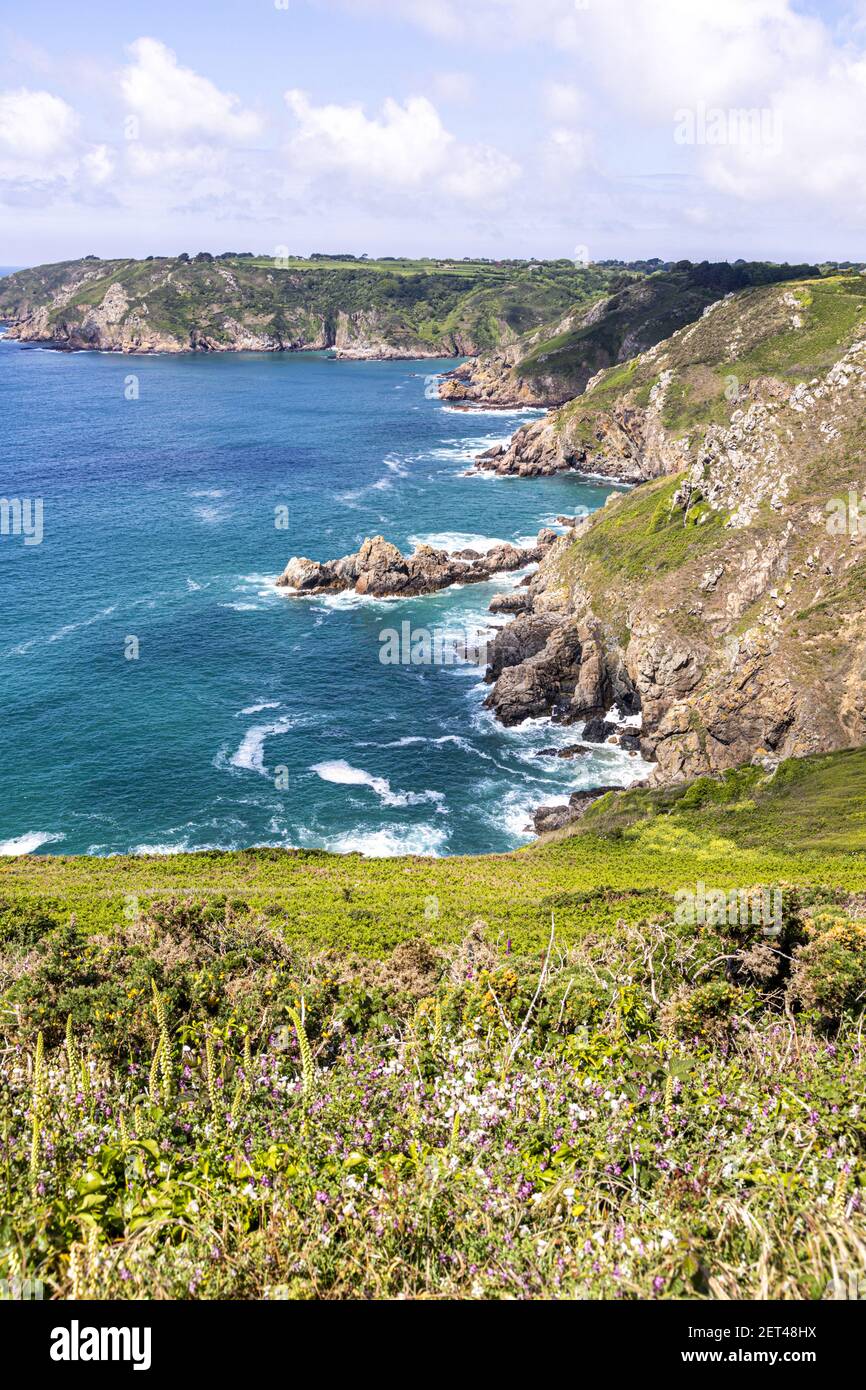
(182, 848)
(257, 709)
(411, 740)
(211, 514)
(250, 756)
(61, 632)
(467, 448)
(388, 844)
(347, 598)
(458, 540)
(497, 412)
(339, 771)
(28, 843)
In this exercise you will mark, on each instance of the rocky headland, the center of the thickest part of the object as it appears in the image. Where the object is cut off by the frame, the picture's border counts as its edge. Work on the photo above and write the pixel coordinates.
(243, 303)
(723, 603)
(379, 570)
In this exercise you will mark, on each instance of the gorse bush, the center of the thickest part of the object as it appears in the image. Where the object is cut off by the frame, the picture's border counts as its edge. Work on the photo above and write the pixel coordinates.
(829, 975)
(629, 1116)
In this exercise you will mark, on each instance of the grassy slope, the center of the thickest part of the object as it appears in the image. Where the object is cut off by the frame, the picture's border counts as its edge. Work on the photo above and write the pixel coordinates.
(414, 301)
(556, 361)
(807, 825)
(749, 337)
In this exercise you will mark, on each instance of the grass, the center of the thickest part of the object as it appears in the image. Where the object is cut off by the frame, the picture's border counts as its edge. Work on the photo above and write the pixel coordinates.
(806, 824)
(427, 306)
(714, 360)
(298, 1075)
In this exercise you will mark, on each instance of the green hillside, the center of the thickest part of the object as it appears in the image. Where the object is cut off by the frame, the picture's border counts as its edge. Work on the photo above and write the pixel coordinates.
(162, 303)
(585, 1093)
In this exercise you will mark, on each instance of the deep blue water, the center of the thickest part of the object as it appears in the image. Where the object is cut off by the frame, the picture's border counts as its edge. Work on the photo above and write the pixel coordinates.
(250, 717)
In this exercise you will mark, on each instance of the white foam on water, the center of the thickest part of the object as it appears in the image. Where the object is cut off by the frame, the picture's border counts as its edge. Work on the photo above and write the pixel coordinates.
(347, 599)
(497, 412)
(250, 756)
(337, 770)
(257, 709)
(414, 739)
(182, 848)
(62, 632)
(459, 540)
(388, 844)
(28, 843)
(212, 515)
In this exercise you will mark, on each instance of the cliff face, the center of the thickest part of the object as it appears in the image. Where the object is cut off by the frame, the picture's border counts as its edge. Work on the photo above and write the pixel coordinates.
(648, 417)
(724, 599)
(555, 363)
(233, 303)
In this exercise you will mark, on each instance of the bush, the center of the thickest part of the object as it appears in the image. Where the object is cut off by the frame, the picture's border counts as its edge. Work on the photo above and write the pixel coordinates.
(829, 973)
(705, 1012)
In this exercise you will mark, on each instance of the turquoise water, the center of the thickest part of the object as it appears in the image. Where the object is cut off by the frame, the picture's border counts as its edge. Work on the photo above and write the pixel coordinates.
(248, 716)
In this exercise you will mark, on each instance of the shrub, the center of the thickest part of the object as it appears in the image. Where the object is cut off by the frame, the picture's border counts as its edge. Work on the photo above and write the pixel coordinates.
(705, 1011)
(829, 973)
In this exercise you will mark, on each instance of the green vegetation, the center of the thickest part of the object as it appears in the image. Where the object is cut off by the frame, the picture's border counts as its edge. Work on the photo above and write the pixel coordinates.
(448, 307)
(790, 333)
(557, 363)
(281, 1075)
(805, 824)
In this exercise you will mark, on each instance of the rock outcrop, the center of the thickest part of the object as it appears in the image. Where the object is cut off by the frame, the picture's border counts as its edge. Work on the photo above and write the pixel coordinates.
(556, 817)
(380, 570)
(233, 303)
(725, 603)
(555, 363)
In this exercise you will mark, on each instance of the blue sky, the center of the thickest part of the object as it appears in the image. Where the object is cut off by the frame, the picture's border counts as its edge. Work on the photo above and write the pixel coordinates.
(499, 127)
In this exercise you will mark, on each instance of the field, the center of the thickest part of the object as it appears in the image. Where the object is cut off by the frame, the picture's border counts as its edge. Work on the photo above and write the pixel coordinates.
(572, 1071)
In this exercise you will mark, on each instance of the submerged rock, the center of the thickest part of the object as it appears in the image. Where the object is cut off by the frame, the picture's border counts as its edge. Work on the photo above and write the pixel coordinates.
(597, 730)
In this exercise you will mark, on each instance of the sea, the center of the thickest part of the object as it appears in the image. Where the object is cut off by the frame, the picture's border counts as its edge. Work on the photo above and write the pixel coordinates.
(161, 694)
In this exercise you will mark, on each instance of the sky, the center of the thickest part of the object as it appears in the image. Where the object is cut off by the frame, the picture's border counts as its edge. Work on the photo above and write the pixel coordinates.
(589, 129)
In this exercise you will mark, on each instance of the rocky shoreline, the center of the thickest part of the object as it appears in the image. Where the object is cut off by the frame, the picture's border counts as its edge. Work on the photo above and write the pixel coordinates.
(538, 664)
(379, 570)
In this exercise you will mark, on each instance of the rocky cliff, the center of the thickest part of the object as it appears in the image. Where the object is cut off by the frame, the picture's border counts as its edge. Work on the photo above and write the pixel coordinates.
(648, 417)
(724, 598)
(556, 362)
(231, 303)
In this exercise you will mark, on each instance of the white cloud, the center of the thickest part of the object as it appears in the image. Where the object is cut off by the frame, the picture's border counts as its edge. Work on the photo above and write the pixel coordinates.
(98, 164)
(406, 147)
(563, 101)
(41, 150)
(173, 102)
(664, 54)
(38, 136)
(645, 60)
(568, 150)
(477, 173)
